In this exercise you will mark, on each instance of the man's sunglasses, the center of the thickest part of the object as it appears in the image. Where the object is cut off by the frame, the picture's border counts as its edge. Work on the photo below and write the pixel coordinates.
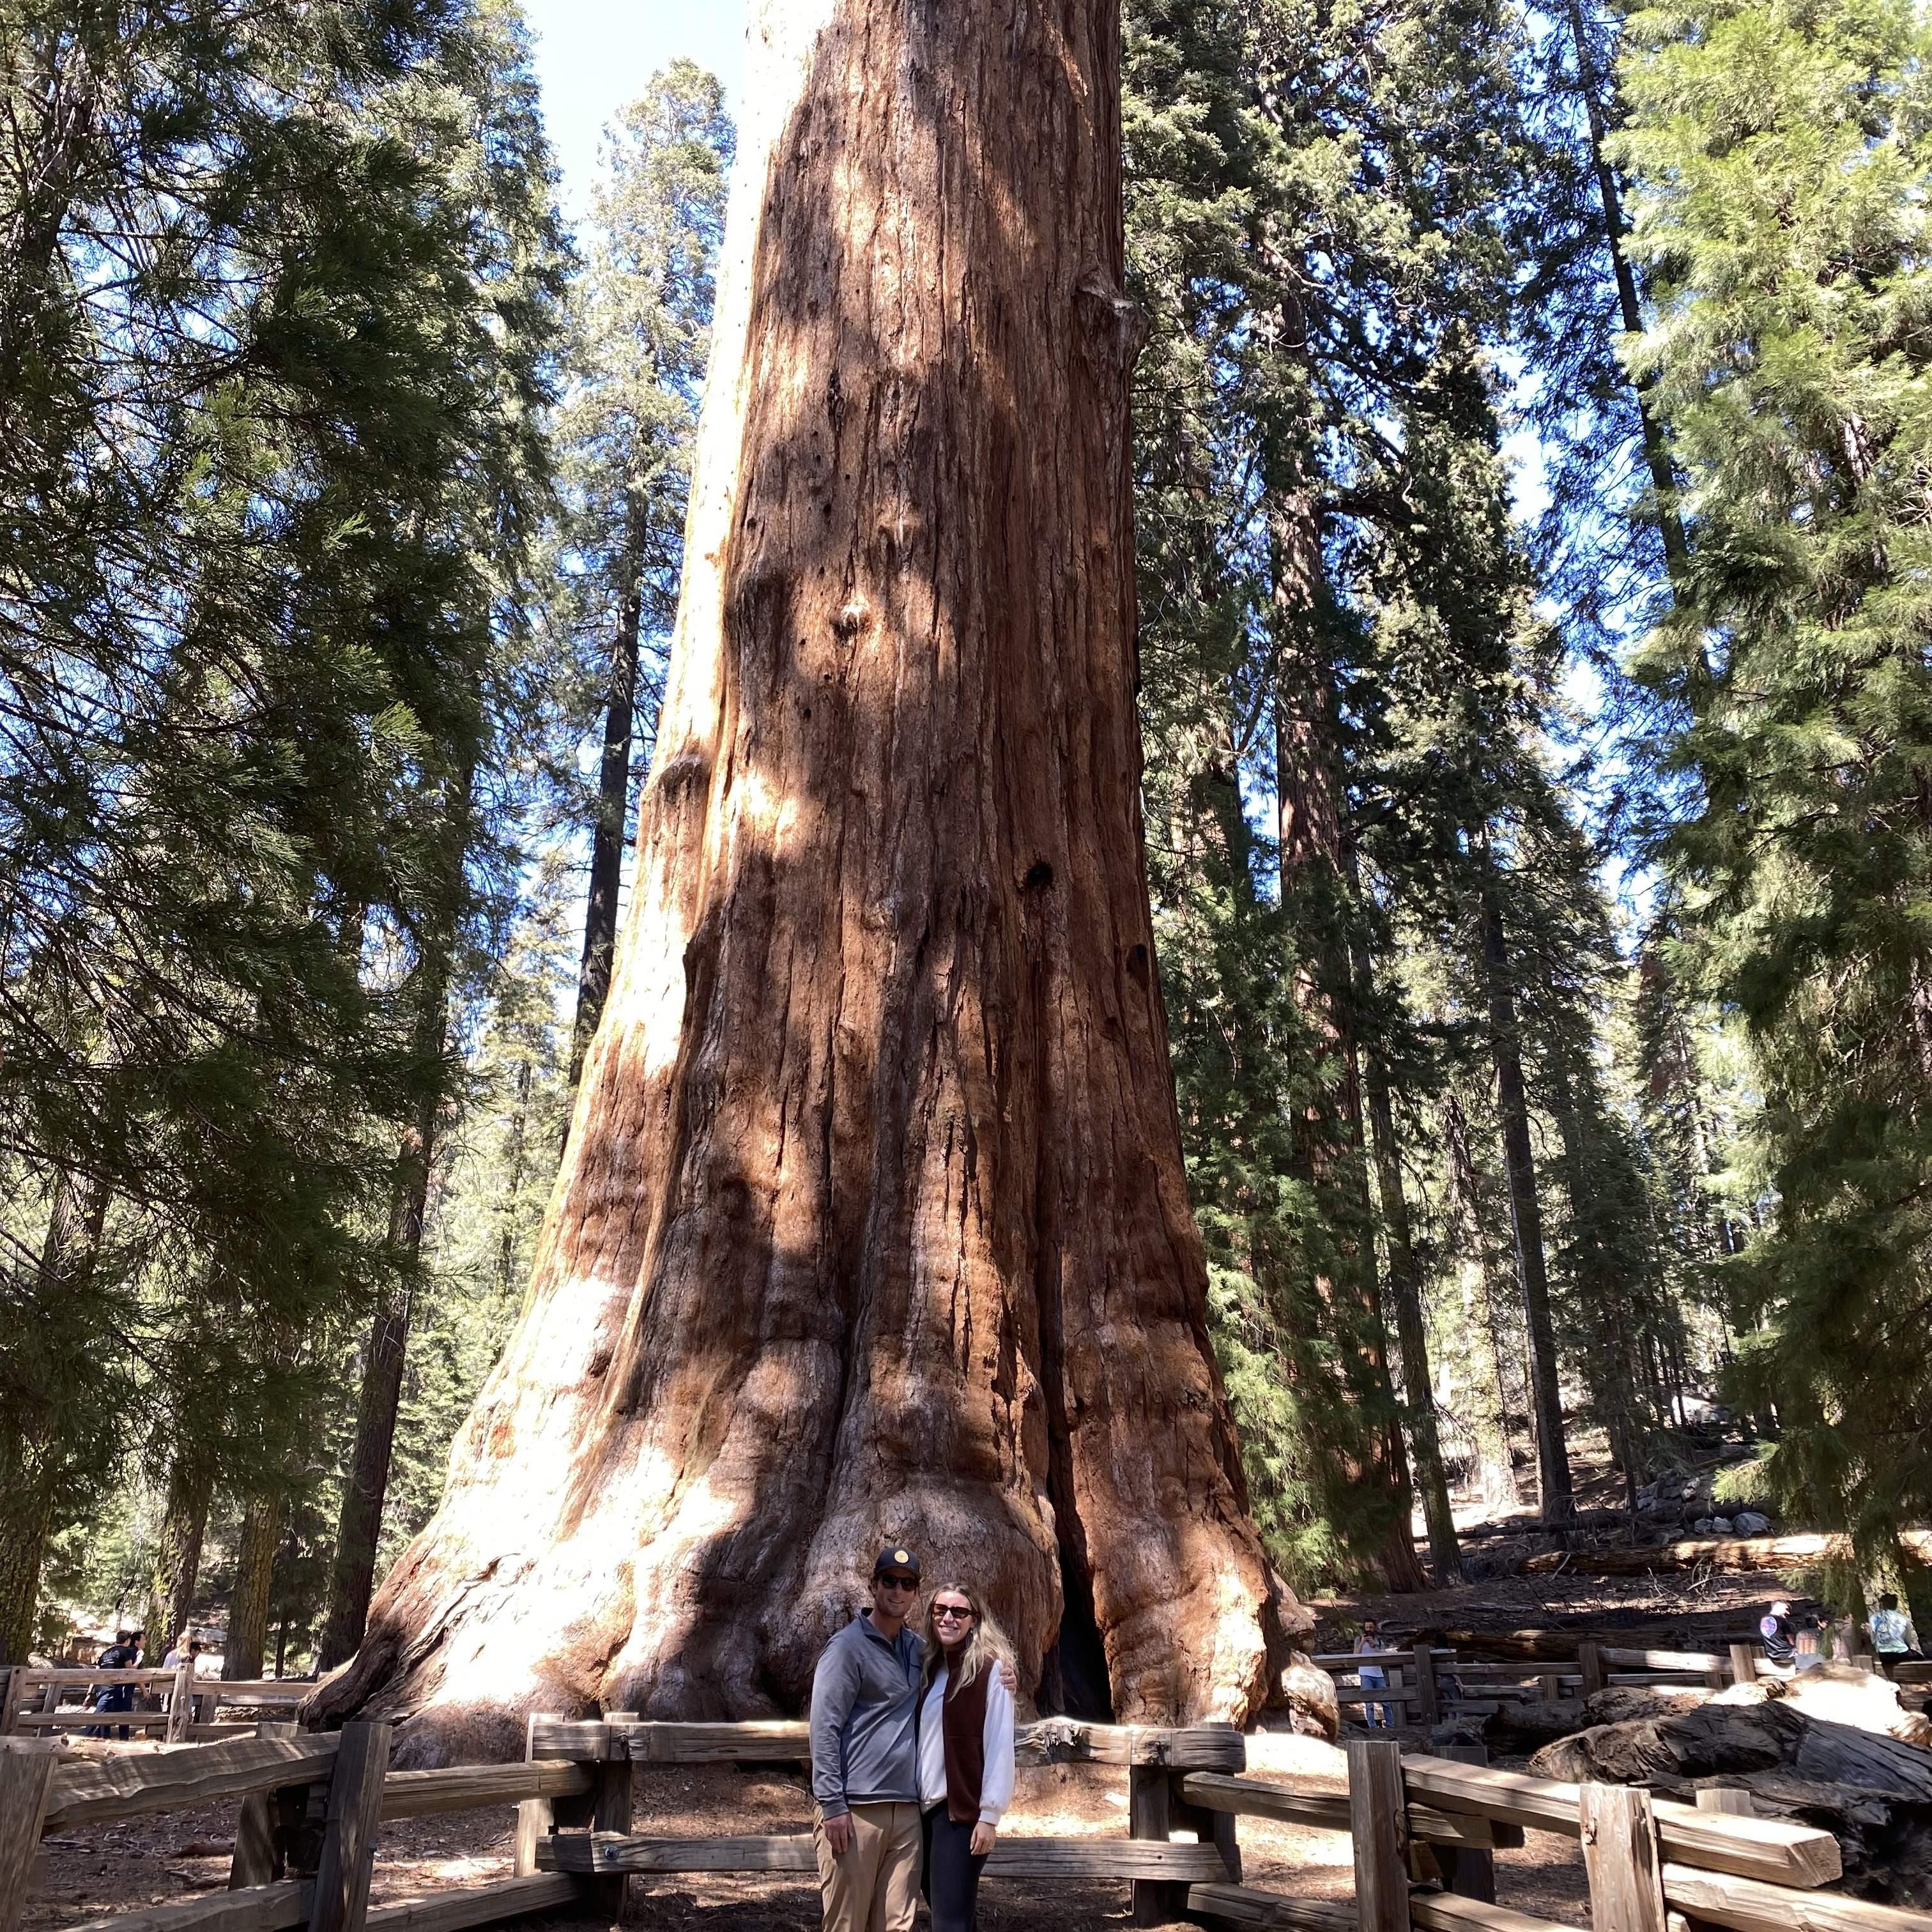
(896, 1583)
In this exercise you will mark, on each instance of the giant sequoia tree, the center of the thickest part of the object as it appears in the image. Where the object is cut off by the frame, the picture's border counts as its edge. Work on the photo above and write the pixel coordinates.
(872, 1222)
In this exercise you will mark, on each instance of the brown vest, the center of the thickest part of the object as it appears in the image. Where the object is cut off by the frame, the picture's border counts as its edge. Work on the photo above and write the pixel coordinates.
(963, 1724)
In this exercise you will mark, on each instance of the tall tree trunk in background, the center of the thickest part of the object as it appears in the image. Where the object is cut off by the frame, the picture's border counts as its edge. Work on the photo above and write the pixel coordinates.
(1404, 1274)
(36, 1438)
(872, 1223)
(518, 1153)
(614, 801)
(1594, 89)
(1616, 1324)
(254, 1580)
(178, 1558)
(359, 1523)
(1495, 1444)
(1314, 871)
(1553, 1455)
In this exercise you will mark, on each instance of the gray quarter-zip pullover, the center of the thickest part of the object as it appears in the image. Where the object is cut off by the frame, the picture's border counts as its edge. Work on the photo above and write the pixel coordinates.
(865, 1715)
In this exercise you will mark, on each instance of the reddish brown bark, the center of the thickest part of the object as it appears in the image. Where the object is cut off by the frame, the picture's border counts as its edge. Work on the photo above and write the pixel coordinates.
(872, 1222)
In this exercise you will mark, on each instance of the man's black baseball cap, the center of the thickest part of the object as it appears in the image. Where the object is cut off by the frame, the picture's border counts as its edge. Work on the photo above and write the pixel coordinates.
(896, 1557)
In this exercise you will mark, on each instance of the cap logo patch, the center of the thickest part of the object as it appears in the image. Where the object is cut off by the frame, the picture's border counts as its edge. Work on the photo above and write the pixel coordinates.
(901, 1556)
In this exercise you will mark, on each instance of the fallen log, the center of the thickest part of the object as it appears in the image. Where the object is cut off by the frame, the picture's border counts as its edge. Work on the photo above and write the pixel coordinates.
(1542, 1644)
(1534, 1722)
(1872, 1791)
(1720, 1552)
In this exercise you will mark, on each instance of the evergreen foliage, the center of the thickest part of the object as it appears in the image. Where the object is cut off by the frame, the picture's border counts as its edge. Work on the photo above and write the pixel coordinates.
(342, 502)
(1783, 223)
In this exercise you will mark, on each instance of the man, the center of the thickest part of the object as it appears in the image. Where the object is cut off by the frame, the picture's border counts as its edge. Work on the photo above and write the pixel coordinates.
(864, 1758)
(1774, 1628)
(122, 1654)
(865, 1755)
(1892, 1634)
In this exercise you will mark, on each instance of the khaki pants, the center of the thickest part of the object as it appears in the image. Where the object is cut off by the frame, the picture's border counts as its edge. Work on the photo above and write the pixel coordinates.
(875, 1887)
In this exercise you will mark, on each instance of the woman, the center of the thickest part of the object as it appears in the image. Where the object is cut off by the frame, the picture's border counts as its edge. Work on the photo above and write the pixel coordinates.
(1371, 1676)
(965, 1752)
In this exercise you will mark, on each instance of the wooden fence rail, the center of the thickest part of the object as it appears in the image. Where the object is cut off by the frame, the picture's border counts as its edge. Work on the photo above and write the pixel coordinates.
(1424, 1829)
(1422, 1681)
(34, 1698)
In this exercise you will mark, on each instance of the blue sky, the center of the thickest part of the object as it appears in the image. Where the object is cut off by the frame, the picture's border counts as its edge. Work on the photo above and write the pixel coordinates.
(593, 56)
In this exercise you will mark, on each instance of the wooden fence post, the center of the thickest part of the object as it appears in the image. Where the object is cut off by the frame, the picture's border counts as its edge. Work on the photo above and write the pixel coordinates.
(1379, 1826)
(24, 1778)
(10, 1691)
(1425, 1685)
(1466, 1871)
(258, 1856)
(181, 1703)
(348, 1838)
(1221, 1829)
(611, 1809)
(1744, 1664)
(606, 1806)
(1622, 1858)
(1730, 1797)
(536, 1817)
(1590, 1662)
(1150, 1815)
(1552, 1681)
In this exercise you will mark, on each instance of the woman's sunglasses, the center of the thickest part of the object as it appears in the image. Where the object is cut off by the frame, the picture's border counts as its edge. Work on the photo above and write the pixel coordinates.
(952, 1612)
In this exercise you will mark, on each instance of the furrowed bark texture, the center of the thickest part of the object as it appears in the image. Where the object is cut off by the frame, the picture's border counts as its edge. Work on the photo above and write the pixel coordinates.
(177, 1567)
(254, 1583)
(872, 1224)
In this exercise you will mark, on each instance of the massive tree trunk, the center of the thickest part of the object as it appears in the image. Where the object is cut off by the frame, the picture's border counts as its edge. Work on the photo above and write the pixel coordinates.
(872, 1223)
(1552, 1454)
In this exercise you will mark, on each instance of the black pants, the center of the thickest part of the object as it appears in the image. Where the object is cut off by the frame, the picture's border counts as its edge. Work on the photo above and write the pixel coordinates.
(951, 1880)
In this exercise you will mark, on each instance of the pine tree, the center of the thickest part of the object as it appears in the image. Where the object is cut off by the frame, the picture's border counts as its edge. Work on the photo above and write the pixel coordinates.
(642, 336)
(1782, 154)
(241, 567)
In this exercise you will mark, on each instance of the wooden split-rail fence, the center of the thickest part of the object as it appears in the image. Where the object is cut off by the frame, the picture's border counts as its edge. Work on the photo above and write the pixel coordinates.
(38, 1698)
(1425, 1831)
(1425, 1683)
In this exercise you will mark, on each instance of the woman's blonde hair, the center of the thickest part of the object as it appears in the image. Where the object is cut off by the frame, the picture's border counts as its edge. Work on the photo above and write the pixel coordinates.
(987, 1644)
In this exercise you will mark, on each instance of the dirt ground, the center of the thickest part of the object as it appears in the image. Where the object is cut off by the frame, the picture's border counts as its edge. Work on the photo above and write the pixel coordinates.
(93, 1873)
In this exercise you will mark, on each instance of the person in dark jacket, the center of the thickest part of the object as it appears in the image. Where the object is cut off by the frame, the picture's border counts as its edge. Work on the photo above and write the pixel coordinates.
(1779, 1638)
(123, 1654)
(965, 1753)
